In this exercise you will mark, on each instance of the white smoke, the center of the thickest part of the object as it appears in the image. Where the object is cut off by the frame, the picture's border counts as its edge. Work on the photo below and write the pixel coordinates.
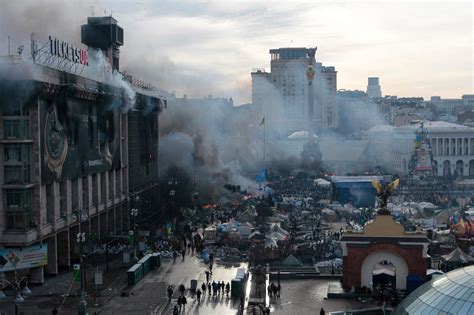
(100, 69)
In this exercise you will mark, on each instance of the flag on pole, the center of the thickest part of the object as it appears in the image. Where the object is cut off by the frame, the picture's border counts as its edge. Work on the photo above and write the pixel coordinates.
(262, 122)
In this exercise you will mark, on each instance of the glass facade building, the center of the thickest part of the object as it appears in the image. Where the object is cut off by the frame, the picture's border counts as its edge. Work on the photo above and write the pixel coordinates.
(451, 293)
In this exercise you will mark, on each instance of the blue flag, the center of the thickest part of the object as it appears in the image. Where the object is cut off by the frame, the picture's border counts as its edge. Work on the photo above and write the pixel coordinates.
(261, 176)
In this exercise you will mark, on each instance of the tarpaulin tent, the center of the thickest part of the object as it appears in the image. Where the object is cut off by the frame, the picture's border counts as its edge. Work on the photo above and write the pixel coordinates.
(291, 261)
(458, 256)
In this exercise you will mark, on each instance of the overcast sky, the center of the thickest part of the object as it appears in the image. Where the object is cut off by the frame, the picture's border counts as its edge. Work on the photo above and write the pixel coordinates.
(417, 48)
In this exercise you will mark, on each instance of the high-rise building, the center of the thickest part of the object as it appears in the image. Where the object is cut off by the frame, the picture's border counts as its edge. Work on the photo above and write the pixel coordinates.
(281, 95)
(373, 88)
(74, 157)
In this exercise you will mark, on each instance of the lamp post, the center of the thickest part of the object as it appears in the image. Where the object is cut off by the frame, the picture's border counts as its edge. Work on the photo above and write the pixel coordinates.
(81, 238)
(133, 228)
(19, 292)
(173, 182)
(310, 76)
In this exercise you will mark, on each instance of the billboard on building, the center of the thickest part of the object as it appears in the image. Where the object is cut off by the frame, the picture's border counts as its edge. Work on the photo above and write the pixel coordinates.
(22, 258)
(78, 138)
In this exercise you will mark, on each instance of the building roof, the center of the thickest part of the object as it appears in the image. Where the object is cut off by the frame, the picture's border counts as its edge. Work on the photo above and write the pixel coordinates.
(437, 126)
(353, 179)
(298, 135)
(382, 128)
(451, 293)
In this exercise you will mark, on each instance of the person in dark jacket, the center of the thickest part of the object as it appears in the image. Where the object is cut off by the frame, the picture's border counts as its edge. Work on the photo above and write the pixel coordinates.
(182, 289)
(198, 295)
(184, 301)
(227, 288)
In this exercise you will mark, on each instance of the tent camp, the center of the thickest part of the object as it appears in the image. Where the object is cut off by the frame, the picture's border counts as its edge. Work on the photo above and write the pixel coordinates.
(322, 182)
(291, 261)
(457, 258)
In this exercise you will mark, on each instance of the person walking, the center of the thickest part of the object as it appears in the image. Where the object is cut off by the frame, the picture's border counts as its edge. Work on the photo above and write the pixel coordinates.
(182, 289)
(203, 288)
(227, 289)
(198, 295)
(170, 292)
(175, 254)
(209, 288)
(183, 252)
(214, 288)
(222, 287)
(55, 311)
(176, 310)
(211, 259)
(179, 304)
(210, 268)
(322, 311)
(184, 301)
(207, 276)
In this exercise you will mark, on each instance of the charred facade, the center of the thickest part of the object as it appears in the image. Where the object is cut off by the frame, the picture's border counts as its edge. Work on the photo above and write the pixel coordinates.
(71, 143)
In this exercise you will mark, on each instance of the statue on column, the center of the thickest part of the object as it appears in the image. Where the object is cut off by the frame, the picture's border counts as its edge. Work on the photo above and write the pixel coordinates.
(383, 192)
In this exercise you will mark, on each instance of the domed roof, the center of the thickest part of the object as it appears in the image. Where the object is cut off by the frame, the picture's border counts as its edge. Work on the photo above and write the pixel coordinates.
(297, 135)
(451, 293)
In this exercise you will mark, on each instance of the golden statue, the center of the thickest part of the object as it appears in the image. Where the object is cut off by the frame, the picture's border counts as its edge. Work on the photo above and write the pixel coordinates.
(384, 191)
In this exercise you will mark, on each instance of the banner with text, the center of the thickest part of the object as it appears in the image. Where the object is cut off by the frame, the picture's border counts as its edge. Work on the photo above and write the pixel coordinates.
(26, 257)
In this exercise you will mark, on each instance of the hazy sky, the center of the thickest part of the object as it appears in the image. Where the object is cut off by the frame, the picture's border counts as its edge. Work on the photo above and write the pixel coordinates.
(417, 48)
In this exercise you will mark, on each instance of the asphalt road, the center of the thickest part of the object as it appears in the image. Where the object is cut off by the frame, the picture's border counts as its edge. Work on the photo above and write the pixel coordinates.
(149, 295)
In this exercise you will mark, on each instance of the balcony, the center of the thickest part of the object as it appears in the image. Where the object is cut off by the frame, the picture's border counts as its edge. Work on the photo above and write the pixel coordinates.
(20, 237)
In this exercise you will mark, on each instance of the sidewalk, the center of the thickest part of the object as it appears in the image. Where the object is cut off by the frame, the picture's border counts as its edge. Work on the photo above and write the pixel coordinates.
(63, 293)
(146, 297)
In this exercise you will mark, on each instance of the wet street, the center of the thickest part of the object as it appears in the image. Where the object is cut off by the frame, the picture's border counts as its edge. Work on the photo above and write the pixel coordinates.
(149, 295)
(308, 296)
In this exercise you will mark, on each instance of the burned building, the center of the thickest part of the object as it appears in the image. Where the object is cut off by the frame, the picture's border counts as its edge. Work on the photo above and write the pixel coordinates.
(78, 142)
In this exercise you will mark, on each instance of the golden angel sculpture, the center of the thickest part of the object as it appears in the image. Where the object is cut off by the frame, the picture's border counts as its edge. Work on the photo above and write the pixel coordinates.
(384, 191)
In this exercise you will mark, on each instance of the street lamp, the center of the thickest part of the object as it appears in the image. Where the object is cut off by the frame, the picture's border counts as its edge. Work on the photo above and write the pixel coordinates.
(173, 182)
(133, 228)
(16, 284)
(81, 238)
